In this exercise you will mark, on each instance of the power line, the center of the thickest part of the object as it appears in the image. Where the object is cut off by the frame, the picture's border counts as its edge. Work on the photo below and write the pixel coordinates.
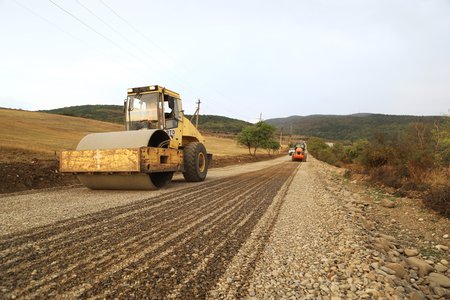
(132, 26)
(50, 22)
(98, 33)
(165, 53)
(98, 18)
(180, 80)
(106, 24)
(141, 49)
(91, 28)
(102, 35)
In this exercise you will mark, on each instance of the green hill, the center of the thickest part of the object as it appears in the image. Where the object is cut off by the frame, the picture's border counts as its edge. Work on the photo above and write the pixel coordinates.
(219, 124)
(332, 127)
(106, 113)
(349, 127)
(114, 114)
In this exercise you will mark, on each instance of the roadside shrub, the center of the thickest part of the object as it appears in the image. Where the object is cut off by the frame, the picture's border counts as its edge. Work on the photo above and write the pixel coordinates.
(320, 150)
(438, 198)
(415, 159)
(315, 145)
(354, 152)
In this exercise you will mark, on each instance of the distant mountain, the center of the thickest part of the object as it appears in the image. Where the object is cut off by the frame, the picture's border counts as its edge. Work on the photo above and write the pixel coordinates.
(115, 114)
(347, 127)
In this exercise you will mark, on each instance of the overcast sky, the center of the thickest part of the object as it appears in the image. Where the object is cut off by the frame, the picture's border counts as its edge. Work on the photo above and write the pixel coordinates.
(241, 58)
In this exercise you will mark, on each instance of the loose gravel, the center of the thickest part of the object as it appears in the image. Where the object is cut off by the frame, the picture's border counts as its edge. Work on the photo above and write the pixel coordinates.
(322, 246)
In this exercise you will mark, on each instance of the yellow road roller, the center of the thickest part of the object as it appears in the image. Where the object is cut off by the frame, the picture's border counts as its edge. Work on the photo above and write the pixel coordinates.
(158, 140)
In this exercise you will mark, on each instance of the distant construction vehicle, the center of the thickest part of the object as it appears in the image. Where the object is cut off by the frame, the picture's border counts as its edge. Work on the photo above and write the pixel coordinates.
(299, 153)
(158, 140)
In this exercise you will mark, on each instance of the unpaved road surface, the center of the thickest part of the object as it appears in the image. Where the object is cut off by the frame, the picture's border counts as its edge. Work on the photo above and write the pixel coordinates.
(270, 230)
(174, 244)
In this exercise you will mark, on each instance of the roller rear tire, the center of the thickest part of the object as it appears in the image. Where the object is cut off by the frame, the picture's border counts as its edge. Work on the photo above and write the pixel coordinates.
(195, 162)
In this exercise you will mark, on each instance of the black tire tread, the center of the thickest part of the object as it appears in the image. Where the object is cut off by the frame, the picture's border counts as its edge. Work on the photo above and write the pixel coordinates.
(190, 173)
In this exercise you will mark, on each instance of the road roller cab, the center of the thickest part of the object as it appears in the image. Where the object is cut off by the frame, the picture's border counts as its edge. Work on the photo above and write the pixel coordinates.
(158, 140)
(155, 107)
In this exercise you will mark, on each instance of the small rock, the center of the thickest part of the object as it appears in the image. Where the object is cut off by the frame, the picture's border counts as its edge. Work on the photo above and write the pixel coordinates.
(375, 265)
(441, 247)
(334, 288)
(388, 270)
(444, 262)
(387, 237)
(420, 219)
(324, 288)
(440, 279)
(441, 292)
(387, 203)
(371, 276)
(415, 296)
(364, 296)
(397, 268)
(411, 252)
(304, 282)
(445, 236)
(382, 244)
(440, 268)
(423, 267)
(373, 292)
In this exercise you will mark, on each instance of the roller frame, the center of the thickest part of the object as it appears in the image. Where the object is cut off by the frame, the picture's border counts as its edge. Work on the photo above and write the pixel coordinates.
(122, 161)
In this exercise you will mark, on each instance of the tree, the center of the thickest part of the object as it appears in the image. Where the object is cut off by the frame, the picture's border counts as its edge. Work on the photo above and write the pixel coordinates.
(271, 146)
(247, 138)
(256, 136)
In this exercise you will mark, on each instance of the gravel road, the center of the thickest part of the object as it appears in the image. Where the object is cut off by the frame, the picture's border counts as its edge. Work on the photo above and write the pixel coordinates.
(269, 230)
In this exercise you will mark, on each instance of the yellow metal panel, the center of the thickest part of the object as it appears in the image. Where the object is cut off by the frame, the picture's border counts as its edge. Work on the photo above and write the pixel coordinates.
(161, 159)
(190, 133)
(104, 160)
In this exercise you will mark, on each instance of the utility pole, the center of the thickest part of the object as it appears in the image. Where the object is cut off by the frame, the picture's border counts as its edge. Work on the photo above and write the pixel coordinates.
(290, 134)
(260, 116)
(198, 112)
(281, 138)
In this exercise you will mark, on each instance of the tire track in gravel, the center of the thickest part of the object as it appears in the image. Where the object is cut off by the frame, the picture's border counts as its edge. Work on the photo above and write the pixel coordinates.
(105, 263)
(62, 226)
(175, 245)
(84, 235)
(114, 237)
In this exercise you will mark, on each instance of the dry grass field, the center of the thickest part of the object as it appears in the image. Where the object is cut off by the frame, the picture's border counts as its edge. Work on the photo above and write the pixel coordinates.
(224, 146)
(41, 134)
